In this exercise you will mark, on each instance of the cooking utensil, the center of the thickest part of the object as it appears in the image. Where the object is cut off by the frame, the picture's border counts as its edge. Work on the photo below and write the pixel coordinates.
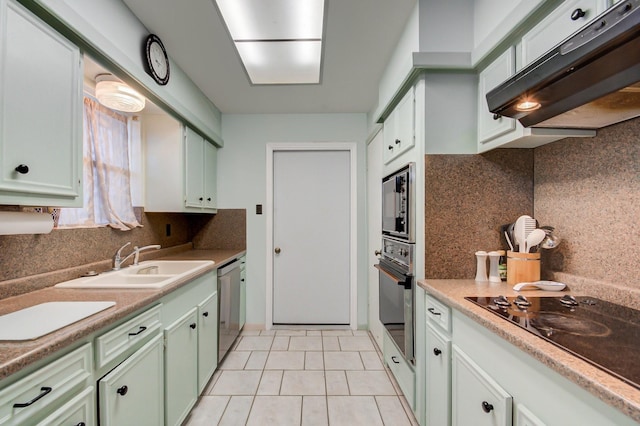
(551, 240)
(533, 239)
(542, 285)
(523, 227)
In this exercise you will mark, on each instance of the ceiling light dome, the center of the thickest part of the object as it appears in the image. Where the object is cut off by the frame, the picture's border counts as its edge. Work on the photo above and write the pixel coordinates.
(113, 93)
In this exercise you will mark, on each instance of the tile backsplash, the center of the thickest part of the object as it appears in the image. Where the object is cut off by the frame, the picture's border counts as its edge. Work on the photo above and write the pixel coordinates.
(587, 188)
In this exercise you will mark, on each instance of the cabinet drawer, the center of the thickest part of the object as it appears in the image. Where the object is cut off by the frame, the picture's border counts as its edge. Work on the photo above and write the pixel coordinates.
(131, 334)
(45, 387)
(439, 313)
(401, 370)
(80, 410)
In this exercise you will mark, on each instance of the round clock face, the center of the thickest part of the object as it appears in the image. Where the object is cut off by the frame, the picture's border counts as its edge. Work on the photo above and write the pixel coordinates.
(157, 60)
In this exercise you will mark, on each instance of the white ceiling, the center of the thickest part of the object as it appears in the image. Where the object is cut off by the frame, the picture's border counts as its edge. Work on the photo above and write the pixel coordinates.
(360, 36)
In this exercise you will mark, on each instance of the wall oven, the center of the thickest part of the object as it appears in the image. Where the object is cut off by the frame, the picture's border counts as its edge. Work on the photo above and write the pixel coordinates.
(398, 204)
(396, 292)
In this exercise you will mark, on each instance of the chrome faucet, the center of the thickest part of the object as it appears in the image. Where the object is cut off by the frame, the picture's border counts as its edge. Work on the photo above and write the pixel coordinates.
(118, 260)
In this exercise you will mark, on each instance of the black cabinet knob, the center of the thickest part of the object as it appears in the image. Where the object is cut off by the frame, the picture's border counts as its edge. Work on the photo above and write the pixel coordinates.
(209, 199)
(486, 407)
(577, 14)
(23, 169)
(122, 390)
(200, 199)
(436, 351)
(205, 314)
(390, 147)
(81, 424)
(192, 325)
(398, 142)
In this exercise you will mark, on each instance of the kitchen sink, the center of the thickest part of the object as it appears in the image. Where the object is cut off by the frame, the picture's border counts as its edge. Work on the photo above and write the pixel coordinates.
(149, 275)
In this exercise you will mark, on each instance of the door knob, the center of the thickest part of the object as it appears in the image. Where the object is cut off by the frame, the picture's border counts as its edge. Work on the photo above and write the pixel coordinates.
(277, 250)
(377, 253)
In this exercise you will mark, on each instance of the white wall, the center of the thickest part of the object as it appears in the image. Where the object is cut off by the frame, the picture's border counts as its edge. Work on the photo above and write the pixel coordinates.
(241, 184)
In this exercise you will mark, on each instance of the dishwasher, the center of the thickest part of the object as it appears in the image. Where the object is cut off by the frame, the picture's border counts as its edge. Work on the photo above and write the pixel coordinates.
(229, 306)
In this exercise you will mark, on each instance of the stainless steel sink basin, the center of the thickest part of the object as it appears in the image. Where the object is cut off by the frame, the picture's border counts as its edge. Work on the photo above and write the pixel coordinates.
(149, 275)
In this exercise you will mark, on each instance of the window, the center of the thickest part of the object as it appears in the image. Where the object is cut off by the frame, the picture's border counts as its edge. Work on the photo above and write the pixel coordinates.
(106, 171)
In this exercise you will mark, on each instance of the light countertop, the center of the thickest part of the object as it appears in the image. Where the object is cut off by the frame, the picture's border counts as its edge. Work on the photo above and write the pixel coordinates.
(608, 388)
(14, 356)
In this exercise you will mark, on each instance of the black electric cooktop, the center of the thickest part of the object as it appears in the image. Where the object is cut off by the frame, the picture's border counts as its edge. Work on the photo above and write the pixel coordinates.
(603, 333)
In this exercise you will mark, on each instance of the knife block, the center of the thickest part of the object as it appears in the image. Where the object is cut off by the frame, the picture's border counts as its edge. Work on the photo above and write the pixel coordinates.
(522, 267)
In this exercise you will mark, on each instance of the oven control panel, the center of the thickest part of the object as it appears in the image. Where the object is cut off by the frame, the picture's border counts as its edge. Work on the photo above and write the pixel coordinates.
(399, 252)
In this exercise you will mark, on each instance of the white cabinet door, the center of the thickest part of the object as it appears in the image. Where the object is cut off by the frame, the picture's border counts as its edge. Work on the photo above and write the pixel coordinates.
(181, 367)
(569, 17)
(491, 126)
(476, 398)
(40, 112)
(194, 169)
(207, 339)
(399, 134)
(210, 174)
(132, 393)
(438, 389)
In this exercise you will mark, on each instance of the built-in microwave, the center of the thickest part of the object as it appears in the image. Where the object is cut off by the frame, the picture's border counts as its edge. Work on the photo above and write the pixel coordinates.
(398, 204)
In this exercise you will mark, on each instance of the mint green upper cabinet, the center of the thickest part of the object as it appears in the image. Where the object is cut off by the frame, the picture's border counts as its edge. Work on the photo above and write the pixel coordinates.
(40, 112)
(557, 26)
(180, 170)
(399, 134)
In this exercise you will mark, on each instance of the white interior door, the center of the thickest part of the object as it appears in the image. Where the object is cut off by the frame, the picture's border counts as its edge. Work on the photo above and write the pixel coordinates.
(374, 217)
(311, 237)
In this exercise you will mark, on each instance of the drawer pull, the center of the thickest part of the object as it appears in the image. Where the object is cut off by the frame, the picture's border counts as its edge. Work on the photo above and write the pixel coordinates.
(43, 391)
(577, 14)
(140, 330)
(436, 351)
(433, 312)
(23, 169)
(192, 325)
(122, 390)
(395, 361)
(205, 314)
(486, 407)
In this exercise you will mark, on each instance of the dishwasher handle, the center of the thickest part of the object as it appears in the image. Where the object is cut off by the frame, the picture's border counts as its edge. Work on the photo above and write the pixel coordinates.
(228, 267)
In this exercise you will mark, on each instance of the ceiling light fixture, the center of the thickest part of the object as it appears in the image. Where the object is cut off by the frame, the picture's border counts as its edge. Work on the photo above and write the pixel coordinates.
(113, 93)
(278, 41)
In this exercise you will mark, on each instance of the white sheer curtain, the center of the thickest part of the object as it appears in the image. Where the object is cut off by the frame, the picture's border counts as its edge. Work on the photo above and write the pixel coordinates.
(107, 193)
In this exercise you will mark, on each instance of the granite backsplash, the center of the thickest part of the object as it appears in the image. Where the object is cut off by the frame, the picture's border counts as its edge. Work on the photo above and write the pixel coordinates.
(30, 262)
(587, 188)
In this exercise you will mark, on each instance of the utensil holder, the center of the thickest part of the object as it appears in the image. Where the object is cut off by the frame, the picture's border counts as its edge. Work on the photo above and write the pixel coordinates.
(522, 267)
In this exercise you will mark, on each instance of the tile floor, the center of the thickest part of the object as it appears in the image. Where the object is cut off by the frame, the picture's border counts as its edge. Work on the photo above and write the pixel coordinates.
(302, 377)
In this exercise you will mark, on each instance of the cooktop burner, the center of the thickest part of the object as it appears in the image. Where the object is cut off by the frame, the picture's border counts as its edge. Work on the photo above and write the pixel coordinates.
(603, 333)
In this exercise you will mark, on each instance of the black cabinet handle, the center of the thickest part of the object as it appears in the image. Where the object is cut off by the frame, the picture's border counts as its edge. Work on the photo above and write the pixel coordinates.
(43, 391)
(140, 330)
(23, 169)
(486, 407)
(398, 142)
(394, 359)
(205, 314)
(496, 116)
(577, 14)
(433, 312)
(122, 390)
(436, 351)
(192, 325)
(390, 147)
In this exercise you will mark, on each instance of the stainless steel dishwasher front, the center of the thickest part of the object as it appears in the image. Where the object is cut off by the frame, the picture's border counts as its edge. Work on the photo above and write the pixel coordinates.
(229, 308)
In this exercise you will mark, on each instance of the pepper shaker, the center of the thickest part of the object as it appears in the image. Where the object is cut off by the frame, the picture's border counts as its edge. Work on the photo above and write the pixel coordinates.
(481, 268)
(494, 262)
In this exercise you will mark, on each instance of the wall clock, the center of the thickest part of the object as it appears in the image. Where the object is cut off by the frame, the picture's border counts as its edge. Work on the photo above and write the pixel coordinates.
(157, 59)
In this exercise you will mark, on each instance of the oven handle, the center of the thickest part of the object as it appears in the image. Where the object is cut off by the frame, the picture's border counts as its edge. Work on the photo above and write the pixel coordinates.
(402, 280)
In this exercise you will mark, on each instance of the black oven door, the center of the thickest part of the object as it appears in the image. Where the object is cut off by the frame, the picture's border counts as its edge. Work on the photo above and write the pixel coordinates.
(396, 307)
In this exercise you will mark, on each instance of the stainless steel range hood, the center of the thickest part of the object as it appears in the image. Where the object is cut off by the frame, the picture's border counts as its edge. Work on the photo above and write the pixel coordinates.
(589, 81)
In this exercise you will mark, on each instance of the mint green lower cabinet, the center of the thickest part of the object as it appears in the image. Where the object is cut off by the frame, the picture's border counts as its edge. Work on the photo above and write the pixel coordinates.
(80, 410)
(438, 387)
(181, 367)
(476, 398)
(243, 291)
(132, 393)
(207, 339)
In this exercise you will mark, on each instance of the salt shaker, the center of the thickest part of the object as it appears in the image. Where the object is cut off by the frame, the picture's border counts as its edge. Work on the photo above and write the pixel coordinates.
(481, 268)
(494, 270)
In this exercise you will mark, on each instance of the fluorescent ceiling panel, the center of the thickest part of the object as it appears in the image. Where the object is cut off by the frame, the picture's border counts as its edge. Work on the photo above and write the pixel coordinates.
(273, 19)
(291, 62)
